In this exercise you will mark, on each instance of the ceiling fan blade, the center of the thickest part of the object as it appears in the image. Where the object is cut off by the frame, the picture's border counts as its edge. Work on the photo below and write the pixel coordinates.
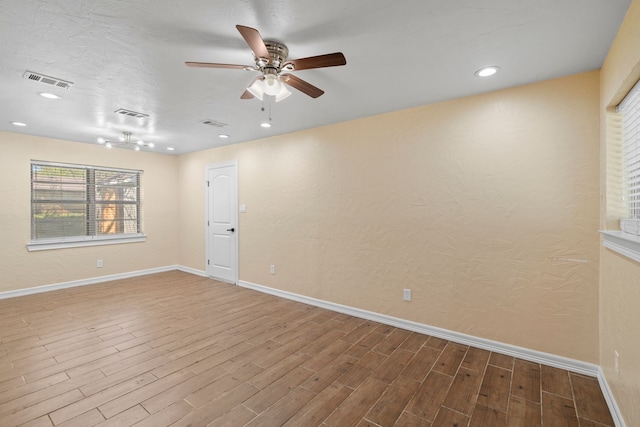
(254, 40)
(320, 61)
(301, 85)
(214, 65)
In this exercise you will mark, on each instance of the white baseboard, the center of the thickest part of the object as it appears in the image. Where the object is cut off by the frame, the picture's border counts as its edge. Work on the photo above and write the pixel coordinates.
(192, 271)
(496, 346)
(83, 282)
(548, 359)
(611, 401)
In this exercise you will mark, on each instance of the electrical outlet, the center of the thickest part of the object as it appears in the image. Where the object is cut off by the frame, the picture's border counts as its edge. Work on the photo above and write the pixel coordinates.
(406, 294)
(273, 269)
(99, 263)
(616, 362)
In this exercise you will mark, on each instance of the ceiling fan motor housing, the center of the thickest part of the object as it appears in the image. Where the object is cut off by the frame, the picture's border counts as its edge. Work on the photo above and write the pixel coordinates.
(278, 53)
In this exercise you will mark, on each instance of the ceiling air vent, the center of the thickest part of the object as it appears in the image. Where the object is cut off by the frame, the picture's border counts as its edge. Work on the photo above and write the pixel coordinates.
(53, 81)
(130, 113)
(214, 123)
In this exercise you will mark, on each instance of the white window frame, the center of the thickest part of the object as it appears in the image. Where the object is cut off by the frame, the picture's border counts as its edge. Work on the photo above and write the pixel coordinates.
(627, 240)
(92, 238)
(629, 109)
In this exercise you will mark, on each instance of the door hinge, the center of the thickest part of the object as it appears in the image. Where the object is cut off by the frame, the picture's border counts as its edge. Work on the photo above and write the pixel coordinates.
(208, 263)
(207, 223)
(207, 183)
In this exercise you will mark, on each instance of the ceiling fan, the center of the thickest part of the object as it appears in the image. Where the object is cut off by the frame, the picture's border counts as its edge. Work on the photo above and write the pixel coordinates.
(271, 62)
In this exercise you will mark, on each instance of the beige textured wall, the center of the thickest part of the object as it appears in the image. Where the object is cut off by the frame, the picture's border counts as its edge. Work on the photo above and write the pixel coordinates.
(22, 269)
(619, 276)
(486, 207)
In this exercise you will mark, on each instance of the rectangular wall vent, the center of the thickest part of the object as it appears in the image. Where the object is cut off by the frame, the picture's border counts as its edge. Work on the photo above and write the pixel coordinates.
(130, 113)
(214, 123)
(53, 81)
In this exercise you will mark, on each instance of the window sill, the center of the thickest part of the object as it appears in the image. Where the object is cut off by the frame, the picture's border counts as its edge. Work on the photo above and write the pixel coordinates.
(623, 243)
(45, 245)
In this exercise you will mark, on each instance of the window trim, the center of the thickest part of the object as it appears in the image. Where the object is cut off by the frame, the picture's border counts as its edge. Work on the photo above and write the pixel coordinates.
(622, 242)
(62, 243)
(86, 240)
(626, 240)
(629, 111)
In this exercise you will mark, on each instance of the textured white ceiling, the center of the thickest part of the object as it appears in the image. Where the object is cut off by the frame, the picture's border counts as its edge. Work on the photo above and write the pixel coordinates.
(400, 54)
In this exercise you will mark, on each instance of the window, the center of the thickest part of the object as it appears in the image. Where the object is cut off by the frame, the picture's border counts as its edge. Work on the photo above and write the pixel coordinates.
(76, 205)
(629, 109)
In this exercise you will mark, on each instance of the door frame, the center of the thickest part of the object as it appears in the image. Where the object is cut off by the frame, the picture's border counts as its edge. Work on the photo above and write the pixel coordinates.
(209, 167)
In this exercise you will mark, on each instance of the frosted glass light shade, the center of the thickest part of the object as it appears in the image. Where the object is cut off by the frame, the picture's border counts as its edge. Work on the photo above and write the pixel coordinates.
(256, 89)
(260, 88)
(283, 93)
(271, 85)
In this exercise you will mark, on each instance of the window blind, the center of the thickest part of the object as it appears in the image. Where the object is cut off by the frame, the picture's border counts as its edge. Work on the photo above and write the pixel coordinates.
(70, 202)
(629, 109)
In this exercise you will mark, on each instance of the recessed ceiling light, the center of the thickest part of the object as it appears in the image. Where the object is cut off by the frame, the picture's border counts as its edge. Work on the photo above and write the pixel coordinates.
(265, 124)
(223, 136)
(49, 95)
(170, 148)
(18, 124)
(101, 140)
(487, 71)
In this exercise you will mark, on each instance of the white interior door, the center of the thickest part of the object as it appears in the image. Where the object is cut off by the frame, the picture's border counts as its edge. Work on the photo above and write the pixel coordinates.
(222, 221)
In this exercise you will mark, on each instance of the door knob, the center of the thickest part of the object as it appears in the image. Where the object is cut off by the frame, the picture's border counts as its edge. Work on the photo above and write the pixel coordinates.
(232, 229)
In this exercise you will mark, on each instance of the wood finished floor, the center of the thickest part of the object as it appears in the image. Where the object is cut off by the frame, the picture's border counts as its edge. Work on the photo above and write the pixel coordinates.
(177, 349)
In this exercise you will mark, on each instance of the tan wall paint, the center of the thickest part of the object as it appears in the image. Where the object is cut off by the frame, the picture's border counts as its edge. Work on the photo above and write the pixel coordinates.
(22, 269)
(486, 207)
(619, 276)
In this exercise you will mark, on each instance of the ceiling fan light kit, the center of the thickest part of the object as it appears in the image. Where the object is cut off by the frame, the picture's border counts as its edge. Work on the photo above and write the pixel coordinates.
(270, 59)
(268, 86)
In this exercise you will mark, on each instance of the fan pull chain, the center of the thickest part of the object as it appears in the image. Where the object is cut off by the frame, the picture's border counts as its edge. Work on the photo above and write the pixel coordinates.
(268, 122)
